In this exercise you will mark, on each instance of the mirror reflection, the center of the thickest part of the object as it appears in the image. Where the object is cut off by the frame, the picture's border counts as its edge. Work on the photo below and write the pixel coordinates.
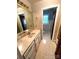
(24, 20)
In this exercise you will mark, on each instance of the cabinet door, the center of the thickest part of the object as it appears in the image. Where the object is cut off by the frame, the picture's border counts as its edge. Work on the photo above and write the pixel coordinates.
(39, 38)
(32, 52)
(28, 56)
(27, 53)
(37, 43)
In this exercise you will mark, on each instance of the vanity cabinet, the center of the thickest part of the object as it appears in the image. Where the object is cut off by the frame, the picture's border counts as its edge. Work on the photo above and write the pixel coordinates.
(30, 53)
(30, 45)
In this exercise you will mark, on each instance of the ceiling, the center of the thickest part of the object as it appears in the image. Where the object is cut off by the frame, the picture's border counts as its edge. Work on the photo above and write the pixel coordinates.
(33, 1)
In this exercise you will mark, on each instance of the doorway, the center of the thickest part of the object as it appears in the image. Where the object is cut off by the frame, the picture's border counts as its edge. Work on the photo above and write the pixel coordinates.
(49, 16)
(23, 21)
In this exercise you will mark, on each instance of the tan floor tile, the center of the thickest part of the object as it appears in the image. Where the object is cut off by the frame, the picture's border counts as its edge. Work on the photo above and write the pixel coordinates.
(46, 50)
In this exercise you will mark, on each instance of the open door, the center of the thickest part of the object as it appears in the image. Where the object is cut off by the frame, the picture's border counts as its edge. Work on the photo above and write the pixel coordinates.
(49, 16)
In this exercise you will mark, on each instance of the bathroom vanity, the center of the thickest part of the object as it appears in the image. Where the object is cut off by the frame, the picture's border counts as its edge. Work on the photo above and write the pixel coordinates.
(28, 44)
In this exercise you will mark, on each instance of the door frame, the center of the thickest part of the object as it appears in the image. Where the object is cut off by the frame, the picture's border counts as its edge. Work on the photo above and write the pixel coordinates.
(51, 6)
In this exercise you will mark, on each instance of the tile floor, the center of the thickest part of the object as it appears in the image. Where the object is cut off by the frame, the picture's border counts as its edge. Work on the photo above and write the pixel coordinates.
(46, 48)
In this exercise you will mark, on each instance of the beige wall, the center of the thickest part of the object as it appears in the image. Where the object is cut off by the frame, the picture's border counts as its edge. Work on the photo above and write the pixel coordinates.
(38, 12)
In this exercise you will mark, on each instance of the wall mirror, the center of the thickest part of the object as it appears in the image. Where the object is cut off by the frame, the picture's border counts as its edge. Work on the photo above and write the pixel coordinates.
(24, 19)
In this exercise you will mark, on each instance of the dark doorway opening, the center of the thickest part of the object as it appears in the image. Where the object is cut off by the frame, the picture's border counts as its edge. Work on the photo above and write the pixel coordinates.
(23, 21)
(49, 16)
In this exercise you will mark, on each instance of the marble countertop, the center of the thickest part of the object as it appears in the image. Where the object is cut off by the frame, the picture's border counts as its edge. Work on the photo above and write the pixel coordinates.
(25, 42)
